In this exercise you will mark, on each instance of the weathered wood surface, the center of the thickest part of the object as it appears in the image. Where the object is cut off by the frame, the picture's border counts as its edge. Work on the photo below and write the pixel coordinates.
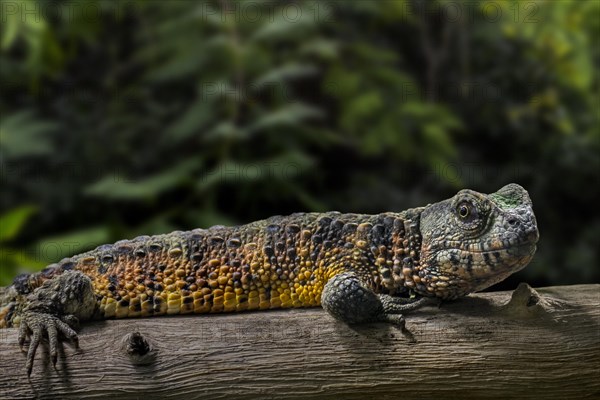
(477, 347)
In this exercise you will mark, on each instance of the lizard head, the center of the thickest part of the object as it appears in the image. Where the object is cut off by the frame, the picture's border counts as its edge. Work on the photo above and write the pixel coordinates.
(473, 240)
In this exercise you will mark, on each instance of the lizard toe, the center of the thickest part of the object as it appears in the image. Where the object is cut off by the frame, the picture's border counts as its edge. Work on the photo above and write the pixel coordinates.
(70, 320)
(53, 340)
(65, 328)
(36, 337)
(23, 333)
(398, 305)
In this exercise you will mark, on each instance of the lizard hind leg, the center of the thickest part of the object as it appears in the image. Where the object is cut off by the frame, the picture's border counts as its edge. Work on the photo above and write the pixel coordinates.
(348, 300)
(55, 308)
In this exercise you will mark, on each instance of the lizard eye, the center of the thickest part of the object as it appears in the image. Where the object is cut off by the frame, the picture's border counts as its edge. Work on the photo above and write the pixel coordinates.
(470, 214)
(466, 211)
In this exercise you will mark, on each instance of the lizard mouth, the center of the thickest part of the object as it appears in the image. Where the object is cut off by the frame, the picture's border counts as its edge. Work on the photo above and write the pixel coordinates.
(522, 250)
(525, 247)
(513, 250)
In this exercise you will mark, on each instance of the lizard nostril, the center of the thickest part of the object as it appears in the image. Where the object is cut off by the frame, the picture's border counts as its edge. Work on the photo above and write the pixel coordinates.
(533, 235)
(512, 221)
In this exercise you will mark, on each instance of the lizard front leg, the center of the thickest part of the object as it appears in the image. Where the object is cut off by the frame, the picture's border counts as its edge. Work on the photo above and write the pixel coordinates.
(347, 299)
(55, 307)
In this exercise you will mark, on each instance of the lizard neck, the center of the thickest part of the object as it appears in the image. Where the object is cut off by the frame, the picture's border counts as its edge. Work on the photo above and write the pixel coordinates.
(406, 247)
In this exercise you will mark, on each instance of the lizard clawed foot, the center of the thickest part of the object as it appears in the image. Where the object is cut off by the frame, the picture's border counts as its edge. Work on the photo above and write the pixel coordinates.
(347, 299)
(56, 308)
(35, 324)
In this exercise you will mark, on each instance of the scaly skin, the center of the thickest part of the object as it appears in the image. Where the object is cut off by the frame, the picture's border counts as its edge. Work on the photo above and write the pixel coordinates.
(360, 268)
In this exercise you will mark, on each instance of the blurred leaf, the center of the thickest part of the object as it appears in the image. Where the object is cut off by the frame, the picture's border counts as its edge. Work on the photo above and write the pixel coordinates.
(426, 113)
(180, 62)
(191, 122)
(285, 72)
(22, 134)
(178, 67)
(120, 188)
(365, 106)
(290, 115)
(281, 168)
(14, 261)
(340, 83)
(225, 130)
(284, 26)
(10, 28)
(437, 138)
(54, 248)
(323, 48)
(13, 221)
(373, 54)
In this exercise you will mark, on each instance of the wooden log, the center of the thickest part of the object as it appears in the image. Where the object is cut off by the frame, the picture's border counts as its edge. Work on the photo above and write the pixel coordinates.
(487, 345)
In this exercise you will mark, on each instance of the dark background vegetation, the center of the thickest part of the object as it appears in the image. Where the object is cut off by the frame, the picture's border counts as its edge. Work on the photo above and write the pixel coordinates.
(142, 117)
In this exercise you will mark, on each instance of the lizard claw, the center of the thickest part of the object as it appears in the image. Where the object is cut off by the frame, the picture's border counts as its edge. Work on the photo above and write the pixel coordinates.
(396, 319)
(35, 325)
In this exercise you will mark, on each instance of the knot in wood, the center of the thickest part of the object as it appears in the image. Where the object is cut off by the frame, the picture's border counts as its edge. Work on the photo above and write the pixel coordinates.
(139, 349)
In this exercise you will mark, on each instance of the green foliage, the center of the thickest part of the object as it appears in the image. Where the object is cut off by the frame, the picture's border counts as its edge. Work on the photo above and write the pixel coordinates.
(22, 135)
(122, 188)
(145, 117)
(13, 221)
(54, 248)
(14, 260)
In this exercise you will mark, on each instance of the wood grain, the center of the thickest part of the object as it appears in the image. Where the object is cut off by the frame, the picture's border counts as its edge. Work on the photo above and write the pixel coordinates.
(483, 346)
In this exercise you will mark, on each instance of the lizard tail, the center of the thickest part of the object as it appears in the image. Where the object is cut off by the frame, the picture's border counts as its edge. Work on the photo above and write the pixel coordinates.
(6, 314)
(8, 303)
